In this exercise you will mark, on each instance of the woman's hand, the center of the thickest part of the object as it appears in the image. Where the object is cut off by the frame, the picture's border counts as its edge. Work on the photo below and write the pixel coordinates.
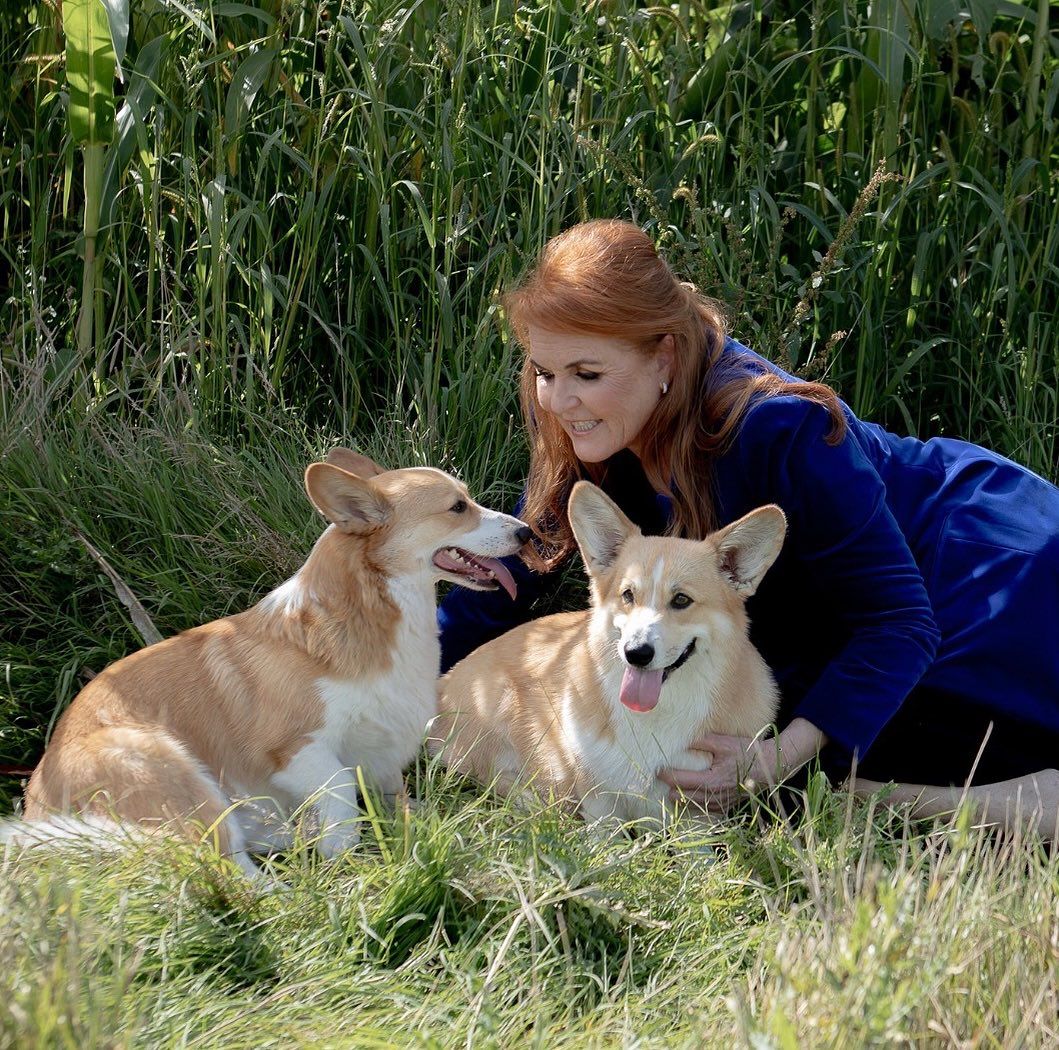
(740, 766)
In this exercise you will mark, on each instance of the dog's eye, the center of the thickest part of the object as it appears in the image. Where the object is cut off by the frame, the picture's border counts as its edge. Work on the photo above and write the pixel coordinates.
(627, 596)
(459, 506)
(680, 600)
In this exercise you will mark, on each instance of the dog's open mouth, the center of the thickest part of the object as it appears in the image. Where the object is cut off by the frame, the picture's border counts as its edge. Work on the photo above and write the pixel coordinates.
(483, 574)
(640, 687)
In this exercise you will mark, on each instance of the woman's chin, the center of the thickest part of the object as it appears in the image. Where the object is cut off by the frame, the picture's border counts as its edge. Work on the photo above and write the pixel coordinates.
(592, 452)
(595, 445)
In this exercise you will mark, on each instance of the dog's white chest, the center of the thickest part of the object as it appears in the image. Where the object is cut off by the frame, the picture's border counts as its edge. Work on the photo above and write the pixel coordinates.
(644, 742)
(374, 722)
(388, 712)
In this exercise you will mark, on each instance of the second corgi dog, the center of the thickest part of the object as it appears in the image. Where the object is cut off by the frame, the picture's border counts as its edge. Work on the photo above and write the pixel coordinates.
(280, 704)
(590, 706)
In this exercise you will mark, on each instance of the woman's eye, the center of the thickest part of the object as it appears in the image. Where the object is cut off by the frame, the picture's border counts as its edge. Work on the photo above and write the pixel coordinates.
(543, 375)
(588, 376)
(680, 600)
(627, 596)
(459, 506)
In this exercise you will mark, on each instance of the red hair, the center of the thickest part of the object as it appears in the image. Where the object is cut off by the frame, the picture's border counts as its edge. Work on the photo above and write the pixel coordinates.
(606, 278)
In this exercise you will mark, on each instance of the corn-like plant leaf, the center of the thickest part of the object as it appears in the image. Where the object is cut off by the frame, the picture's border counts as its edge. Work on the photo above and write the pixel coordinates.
(241, 10)
(938, 15)
(90, 62)
(195, 18)
(118, 17)
(1009, 9)
(139, 97)
(983, 12)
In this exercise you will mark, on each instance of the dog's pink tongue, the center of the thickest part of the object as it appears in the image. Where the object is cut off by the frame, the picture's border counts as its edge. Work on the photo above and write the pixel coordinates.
(640, 688)
(502, 574)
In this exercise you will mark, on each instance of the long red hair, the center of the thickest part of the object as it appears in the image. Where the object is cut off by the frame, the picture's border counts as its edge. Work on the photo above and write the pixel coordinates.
(606, 278)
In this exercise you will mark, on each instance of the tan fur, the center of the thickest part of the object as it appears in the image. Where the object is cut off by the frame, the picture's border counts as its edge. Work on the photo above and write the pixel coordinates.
(539, 705)
(163, 736)
(237, 693)
(505, 695)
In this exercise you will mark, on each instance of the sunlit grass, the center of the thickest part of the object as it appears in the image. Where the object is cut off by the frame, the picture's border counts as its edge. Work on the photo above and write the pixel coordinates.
(474, 923)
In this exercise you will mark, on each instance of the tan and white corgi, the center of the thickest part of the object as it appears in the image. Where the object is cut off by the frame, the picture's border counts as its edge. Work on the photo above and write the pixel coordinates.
(589, 706)
(333, 670)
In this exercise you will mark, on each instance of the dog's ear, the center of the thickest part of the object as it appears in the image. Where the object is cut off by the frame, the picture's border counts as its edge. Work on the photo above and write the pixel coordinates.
(748, 547)
(350, 502)
(354, 462)
(600, 527)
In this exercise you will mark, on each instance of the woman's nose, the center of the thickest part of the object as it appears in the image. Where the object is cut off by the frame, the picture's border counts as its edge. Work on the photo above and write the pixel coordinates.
(563, 396)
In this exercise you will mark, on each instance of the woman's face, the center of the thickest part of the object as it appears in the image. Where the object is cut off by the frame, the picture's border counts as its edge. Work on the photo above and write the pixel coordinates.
(602, 390)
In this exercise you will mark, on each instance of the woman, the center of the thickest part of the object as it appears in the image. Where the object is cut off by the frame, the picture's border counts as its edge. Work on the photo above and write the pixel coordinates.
(904, 617)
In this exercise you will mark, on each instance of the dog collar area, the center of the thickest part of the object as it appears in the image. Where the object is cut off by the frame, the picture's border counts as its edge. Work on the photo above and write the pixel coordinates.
(680, 660)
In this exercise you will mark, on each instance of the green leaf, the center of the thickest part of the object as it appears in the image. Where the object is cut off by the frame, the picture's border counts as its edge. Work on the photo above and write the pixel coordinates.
(246, 83)
(118, 17)
(1021, 11)
(139, 98)
(938, 15)
(983, 13)
(90, 63)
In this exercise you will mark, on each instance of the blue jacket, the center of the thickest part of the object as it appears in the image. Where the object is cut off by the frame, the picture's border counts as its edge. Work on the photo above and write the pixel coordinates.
(908, 565)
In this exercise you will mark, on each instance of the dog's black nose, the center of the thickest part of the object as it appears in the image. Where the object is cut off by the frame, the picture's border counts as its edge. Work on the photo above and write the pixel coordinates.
(640, 655)
(524, 535)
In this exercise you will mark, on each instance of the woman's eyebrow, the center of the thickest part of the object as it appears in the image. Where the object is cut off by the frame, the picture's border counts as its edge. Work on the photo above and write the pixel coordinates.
(573, 365)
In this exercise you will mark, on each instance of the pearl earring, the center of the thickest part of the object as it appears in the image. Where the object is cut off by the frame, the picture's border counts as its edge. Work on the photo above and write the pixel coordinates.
(665, 388)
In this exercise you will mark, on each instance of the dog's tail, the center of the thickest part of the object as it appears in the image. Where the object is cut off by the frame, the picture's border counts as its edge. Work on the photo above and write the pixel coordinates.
(88, 829)
(95, 832)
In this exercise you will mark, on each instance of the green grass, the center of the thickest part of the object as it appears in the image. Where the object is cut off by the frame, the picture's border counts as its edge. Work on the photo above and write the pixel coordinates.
(308, 212)
(472, 923)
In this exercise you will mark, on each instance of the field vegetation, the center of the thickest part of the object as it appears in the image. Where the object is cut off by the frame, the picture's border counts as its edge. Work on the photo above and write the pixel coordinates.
(285, 224)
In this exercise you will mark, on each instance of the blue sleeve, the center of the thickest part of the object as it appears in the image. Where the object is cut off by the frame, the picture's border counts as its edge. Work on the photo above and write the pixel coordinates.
(468, 619)
(842, 531)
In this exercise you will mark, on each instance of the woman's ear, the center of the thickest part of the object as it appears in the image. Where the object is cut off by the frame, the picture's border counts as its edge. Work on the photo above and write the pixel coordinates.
(665, 357)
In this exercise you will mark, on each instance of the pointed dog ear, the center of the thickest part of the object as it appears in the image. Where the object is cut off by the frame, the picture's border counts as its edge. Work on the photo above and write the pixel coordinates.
(349, 502)
(600, 527)
(354, 462)
(748, 547)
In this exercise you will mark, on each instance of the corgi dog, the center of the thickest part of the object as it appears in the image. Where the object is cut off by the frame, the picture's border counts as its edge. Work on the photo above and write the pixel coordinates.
(333, 670)
(587, 707)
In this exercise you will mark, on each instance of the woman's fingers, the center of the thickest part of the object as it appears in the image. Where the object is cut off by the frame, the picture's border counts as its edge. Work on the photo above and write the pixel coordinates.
(685, 779)
(710, 791)
(719, 788)
(708, 801)
(719, 744)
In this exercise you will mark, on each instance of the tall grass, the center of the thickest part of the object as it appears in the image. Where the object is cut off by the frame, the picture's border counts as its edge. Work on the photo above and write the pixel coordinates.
(315, 204)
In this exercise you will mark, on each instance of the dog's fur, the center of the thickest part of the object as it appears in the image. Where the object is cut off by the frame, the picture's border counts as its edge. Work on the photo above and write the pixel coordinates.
(335, 669)
(543, 704)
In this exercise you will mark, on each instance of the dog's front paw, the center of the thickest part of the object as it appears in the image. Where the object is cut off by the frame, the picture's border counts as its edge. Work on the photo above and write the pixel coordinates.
(338, 838)
(401, 802)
